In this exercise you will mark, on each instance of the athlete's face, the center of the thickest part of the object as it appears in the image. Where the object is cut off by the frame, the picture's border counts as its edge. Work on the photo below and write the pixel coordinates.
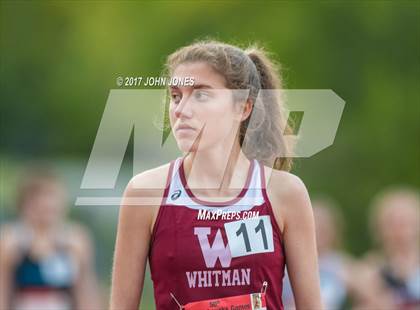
(399, 221)
(206, 107)
(45, 207)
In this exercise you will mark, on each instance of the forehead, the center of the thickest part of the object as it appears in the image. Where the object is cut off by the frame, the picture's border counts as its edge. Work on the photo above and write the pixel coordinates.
(201, 72)
(398, 210)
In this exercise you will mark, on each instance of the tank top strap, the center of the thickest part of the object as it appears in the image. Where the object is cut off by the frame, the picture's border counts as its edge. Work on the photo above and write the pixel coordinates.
(263, 183)
(169, 180)
(176, 183)
(268, 204)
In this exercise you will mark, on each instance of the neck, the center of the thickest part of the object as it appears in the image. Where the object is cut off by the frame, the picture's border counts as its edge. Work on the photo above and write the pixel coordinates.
(39, 228)
(402, 249)
(216, 170)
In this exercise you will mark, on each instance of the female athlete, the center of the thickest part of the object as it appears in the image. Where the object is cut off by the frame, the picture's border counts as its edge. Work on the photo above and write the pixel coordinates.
(46, 261)
(226, 222)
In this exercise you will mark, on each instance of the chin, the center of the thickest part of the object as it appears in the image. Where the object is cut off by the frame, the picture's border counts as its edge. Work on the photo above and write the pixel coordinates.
(189, 145)
(186, 146)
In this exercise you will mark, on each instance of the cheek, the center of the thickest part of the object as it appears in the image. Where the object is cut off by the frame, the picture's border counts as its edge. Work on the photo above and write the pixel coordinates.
(220, 120)
(171, 116)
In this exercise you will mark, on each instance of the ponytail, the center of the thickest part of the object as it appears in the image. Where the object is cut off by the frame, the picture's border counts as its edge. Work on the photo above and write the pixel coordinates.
(267, 141)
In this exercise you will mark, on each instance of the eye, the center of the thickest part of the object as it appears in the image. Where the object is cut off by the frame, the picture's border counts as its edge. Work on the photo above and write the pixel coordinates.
(201, 96)
(176, 97)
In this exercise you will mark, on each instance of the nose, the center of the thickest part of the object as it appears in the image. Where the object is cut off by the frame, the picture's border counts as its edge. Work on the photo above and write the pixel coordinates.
(183, 109)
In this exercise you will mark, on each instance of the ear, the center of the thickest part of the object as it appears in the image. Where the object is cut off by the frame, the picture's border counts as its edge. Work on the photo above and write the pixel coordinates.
(247, 109)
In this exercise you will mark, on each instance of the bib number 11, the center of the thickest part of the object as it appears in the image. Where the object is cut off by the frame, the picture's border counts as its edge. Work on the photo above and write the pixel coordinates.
(251, 236)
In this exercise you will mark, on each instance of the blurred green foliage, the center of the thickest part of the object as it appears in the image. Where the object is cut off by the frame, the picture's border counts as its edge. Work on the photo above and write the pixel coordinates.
(60, 59)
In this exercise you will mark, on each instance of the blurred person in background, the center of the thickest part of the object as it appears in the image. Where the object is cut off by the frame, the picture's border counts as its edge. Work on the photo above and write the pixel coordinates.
(46, 262)
(395, 223)
(333, 263)
(367, 289)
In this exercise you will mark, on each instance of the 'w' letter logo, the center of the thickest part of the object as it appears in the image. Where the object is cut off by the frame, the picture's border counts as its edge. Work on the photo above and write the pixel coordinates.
(217, 250)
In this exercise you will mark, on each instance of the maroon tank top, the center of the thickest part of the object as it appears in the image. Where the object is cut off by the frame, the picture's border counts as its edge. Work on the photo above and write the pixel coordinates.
(203, 250)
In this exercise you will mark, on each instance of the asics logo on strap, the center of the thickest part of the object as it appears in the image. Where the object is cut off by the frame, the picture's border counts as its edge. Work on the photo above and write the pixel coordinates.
(176, 194)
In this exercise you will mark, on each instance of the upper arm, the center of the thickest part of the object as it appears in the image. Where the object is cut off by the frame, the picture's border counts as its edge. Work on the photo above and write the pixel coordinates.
(136, 217)
(294, 213)
(8, 247)
(86, 288)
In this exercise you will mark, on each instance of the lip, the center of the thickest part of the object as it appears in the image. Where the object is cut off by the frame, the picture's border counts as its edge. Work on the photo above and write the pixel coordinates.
(184, 127)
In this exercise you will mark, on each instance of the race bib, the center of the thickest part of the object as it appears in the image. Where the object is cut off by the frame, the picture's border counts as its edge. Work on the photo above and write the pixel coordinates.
(255, 301)
(250, 236)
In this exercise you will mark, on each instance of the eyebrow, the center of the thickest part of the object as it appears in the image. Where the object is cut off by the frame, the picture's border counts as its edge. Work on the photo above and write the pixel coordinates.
(195, 86)
(200, 86)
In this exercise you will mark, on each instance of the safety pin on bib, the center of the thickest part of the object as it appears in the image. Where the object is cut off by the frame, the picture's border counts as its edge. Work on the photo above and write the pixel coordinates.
(264, 287)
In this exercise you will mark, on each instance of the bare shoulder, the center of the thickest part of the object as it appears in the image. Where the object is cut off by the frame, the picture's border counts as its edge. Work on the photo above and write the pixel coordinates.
(142, 198)
(283, 183)
(288, 195)
(7, 232)
(9, 240)
(151, 179)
